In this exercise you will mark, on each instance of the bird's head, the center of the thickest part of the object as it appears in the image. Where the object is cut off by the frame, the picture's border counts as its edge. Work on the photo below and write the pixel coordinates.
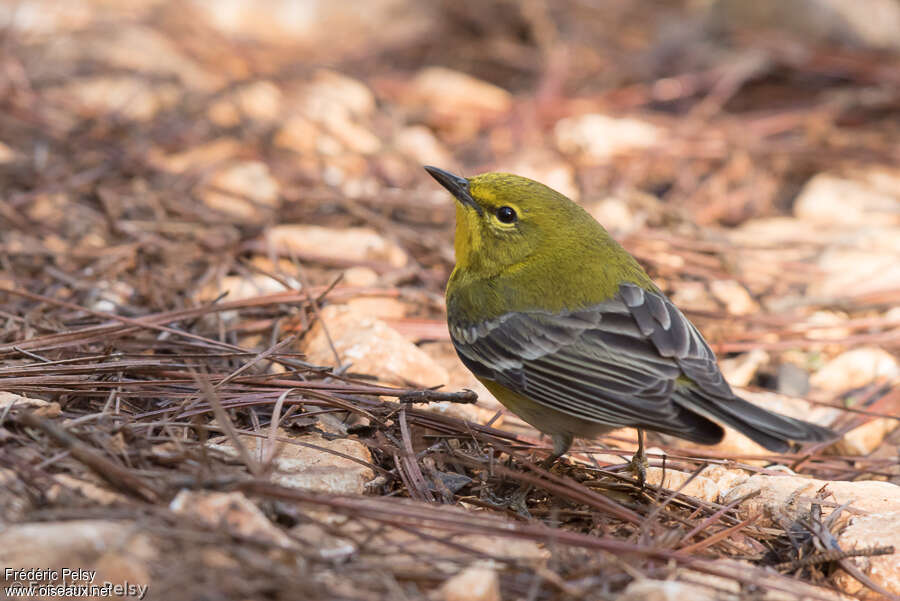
(502, 220)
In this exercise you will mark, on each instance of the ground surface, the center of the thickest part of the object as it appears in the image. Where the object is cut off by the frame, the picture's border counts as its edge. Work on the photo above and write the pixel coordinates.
(221, 295)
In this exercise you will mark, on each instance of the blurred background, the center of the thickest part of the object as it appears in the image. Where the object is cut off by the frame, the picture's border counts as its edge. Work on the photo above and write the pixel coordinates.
(164, 156)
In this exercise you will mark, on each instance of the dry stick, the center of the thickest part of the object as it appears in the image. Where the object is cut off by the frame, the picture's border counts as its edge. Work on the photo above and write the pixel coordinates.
(225, 421)
(406, 517)
(107, 469)
(833, 555)
(139, 323)
(706, 542)
(269, 454)
(407, 463)
(715, 516)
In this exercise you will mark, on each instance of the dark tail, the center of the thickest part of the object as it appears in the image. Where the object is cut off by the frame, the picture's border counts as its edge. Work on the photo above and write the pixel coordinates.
(771, 430)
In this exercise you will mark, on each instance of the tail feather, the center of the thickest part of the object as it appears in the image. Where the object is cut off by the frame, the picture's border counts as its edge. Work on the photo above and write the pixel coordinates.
(771, 430)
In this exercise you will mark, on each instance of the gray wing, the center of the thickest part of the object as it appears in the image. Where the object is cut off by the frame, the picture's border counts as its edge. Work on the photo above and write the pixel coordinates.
(614, 363)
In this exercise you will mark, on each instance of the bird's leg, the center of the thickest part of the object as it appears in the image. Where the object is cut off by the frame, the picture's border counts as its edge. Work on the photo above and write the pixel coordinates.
(639, 463)
(561, 445)
(517, 500)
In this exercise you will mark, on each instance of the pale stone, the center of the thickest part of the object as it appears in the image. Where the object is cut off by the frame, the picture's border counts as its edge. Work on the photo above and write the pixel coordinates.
(864, 439)
(700, 487)
(865, 532)
(379, 306)
(545, 167)
(318, 30)
(833, 200)
(43, 18)
(666, 590)
(734, 296)
(874, 23)
(360, 244)
(260, 101)
(451, 92)
(89, 490)
(419, 144)
(792, 496)
(242, 287)
(723, 588)
(340, 104)
(199, 157)
(7, 154)
(40, 407)
(371, 347)
(855, 368)
(831, 322)
(693, 296)
(475, 583)
(725, 478)
(131, 96)
(740, 370)
(73, 543)
(616, 216)
(233, 511)
(148, 50)
(598, 137)
(301, 135)
(360, 277)
(243, 190)
(856, 272)
(298, 466)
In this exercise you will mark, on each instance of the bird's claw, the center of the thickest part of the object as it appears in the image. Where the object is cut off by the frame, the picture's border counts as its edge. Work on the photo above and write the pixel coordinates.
(638, 467)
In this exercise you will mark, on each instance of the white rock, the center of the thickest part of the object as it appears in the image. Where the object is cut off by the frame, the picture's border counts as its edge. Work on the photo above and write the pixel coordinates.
(199, 157)
(260, 101)
(7, 154)
(615, 214)
(371, 346)
(740, 371)
(351, 244)
(40, 407)
(792, 496)
(475, 583)
(418, 143)
(546, 167)
(243, 190)
(856, 271)
(831, 200)
(361, 277)
(832, 322)
(451, 92)
(330, 91)
(865, 532)
(232, 511)
(875, 23)
(242, 287)
(303, 136)
(666, 590)
(75, 543)
(298, 466)
(734, 296)
(855, 368)
(598, 137)
(131, 96)
(700, 487)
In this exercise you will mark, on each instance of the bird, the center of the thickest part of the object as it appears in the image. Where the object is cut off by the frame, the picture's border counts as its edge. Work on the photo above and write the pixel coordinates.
(567, 330)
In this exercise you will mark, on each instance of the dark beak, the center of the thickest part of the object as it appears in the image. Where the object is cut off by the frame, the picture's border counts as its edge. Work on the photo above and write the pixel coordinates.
(458, 186)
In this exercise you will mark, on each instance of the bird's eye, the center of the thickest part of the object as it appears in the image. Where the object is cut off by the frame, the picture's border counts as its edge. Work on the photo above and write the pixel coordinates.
(506, 214)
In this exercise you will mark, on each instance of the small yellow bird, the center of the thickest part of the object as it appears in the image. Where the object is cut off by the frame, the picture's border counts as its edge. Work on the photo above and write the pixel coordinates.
(569, 332)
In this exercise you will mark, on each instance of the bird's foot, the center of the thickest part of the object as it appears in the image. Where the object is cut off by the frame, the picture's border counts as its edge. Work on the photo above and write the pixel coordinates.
(516, 501)
(638, 467)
